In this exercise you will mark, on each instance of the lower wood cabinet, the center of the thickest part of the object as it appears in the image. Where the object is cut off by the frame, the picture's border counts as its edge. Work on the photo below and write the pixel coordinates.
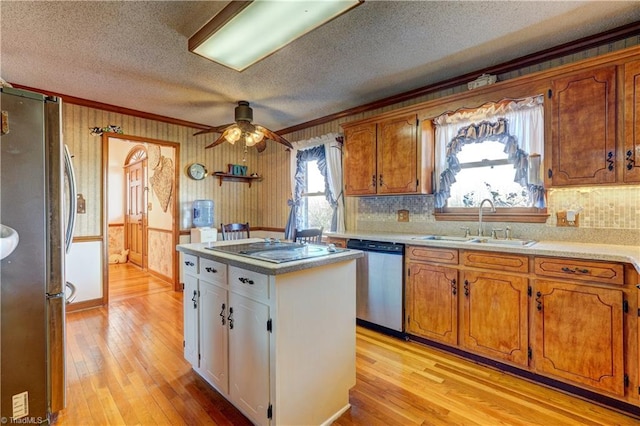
(579, 334)
(432, 302)
(494, 315)
(575, 321)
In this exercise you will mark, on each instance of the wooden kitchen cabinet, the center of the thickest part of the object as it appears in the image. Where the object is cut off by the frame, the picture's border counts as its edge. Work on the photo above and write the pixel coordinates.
(386, 156)
(631, 151)
(579, 334)
(495, 316)
(432, 302)
(583, 128)
(338, 242)
(360, 160)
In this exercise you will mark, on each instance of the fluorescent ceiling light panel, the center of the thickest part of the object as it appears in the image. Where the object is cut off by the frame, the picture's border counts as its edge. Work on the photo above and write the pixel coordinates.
(244, 32)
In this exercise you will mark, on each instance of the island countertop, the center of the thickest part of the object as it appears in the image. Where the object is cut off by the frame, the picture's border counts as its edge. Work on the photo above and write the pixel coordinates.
(261, 266)
(606, 252)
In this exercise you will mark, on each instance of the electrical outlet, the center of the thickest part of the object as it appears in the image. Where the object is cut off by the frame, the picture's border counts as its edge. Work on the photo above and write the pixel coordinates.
(403, 215)
(561, 219)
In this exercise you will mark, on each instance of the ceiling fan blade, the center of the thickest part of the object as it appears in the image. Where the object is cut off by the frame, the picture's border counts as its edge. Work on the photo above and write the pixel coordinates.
(262, 145)
(274, 136)
(217, 142)
(215, 129)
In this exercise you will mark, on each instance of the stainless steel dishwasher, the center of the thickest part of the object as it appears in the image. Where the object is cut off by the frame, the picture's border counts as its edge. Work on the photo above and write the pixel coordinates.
(379, 284)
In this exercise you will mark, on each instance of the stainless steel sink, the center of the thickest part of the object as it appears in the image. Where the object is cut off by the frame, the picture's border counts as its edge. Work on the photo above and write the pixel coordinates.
(512, 243)
(443, 238)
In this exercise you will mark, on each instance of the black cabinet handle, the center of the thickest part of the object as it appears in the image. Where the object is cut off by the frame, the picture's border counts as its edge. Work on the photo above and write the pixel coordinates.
(550, 173)
(189, 263)
(574, 270)
(630, 160)
(210, 269)
(373, 181)
(194, 299)
(454, 288)
(222, 313)
(466, 287)
(539, 301)
(380, 180)
(230, 317)
(610, 161)
(245, 280)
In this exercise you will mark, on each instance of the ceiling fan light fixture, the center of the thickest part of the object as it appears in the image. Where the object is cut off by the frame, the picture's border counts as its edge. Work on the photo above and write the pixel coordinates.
(245, 32)
(232, 135)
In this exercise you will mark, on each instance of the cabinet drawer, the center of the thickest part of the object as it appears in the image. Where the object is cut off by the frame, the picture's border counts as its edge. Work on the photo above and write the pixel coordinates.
(500, 261)
(249, 283)
(429, 254)
(213, 272)
(583, 270)
(190, 264)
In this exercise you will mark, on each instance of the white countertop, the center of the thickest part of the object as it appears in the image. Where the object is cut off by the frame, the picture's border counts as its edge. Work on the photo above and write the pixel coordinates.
(610, 252)
(261, 266)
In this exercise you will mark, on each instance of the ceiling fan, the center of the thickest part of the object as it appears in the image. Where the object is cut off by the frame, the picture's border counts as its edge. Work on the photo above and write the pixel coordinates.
(244, 130)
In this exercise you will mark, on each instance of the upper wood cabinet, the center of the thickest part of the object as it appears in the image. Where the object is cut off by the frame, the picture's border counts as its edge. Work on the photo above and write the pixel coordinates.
(631, 151)
(583, 128)
(386, 156)
(360, 160)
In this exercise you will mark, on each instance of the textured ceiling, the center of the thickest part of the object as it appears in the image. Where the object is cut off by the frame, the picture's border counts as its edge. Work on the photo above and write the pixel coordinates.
(134, 54)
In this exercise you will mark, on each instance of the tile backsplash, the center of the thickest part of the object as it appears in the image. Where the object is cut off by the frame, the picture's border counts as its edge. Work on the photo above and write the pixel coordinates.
(608, 214)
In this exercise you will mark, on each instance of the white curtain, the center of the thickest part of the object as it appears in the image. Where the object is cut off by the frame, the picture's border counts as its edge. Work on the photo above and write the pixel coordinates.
(333, 153)
(525, 120)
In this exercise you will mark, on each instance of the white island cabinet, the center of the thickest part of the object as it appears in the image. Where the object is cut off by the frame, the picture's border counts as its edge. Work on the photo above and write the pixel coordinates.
(277, 340)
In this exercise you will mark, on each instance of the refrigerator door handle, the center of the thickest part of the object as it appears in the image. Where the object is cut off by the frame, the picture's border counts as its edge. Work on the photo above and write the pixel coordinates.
(72, 296)
(73, 193)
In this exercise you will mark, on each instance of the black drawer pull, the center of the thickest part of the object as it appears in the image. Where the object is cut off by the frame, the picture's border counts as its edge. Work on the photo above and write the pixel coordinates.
(245, 280)
(210, 269)
(574, 270)
(189, 263)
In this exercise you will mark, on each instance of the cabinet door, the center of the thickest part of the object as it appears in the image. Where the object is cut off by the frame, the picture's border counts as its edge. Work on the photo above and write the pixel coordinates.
(190, 306)
(432, 302)
(579, 334)
(249, 356)
(398, 155)
(583, 128)
(631, 163)
(495, 320)
(213, 335)
(360, 160)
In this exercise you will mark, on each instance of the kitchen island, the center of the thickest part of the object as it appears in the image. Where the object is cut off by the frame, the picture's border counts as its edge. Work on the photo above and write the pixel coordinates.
(276, 339)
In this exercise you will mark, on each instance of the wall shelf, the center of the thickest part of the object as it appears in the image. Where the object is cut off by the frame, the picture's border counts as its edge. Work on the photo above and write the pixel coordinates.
(236, 178)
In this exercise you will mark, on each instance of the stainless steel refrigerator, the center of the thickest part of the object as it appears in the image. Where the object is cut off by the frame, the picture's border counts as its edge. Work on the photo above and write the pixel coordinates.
(33, 184)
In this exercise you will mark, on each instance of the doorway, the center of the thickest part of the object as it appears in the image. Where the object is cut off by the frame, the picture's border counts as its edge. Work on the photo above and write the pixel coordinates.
(140, 215)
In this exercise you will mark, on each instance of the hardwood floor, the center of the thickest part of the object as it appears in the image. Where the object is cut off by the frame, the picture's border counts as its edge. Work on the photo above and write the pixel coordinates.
(127, 280)
(125, 367)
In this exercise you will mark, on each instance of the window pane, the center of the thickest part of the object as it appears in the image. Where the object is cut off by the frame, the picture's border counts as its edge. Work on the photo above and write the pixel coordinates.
(315, 180)
(496, 183)
(487, 150)
(317, 212)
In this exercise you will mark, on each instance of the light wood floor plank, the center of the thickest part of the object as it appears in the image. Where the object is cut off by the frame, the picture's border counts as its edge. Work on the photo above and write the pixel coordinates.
(125, 366)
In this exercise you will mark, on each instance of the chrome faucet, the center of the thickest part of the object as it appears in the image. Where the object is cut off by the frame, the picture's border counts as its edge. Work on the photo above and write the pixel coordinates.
(493, 210)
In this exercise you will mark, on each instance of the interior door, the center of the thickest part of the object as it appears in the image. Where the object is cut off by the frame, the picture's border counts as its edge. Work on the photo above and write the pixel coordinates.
(134, 218)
